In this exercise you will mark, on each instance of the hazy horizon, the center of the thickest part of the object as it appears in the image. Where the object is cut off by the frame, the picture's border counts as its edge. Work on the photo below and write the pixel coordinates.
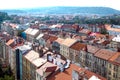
(24, 4)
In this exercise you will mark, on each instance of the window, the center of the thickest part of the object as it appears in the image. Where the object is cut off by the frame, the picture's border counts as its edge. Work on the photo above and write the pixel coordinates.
(115, 68)
(109, 73)
(110, 65)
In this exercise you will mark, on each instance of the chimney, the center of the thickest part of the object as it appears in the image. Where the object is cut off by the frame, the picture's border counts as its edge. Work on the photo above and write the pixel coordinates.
(49, 57)
(61, 67)
(41, 52)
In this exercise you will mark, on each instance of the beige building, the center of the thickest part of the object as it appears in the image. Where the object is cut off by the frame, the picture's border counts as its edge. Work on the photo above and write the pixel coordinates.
(75, 50)
(31, 62)
(45, 71)
(64, 47)
(31, 34)
(113, 67)
(101, 61)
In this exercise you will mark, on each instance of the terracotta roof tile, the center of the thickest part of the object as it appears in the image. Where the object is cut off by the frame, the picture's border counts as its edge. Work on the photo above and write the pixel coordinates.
(52, 38)
(78, 46)
(115, 59)
(67, 74)
(104, 54)
(10, 42)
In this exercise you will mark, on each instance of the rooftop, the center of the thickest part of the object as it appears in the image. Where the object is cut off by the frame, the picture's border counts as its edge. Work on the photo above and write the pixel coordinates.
(68, 42)
(67, 74)
(115, 59)
(34, 32)
(31, 31)
(39, 62)
(78, 46)
(52, 38)
(31, 55)
(85, 31)
(92, 49)
(40, 35)
(104, 54)
(10, 42)
(108, 27)
(116, 39)
(59, 40)
(47, 67)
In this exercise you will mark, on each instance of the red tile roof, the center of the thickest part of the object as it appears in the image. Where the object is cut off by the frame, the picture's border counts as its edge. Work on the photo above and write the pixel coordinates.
(67, 74)
(52, 38)
(78, 46)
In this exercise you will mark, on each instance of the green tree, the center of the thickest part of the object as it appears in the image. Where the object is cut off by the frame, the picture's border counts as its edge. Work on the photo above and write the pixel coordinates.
(7, 77)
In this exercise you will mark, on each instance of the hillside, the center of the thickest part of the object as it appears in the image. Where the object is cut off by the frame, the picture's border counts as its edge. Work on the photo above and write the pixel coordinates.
(65, 10)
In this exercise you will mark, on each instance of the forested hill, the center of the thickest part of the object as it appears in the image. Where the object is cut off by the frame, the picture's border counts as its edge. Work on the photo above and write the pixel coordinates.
(65, 10)
(4, 16)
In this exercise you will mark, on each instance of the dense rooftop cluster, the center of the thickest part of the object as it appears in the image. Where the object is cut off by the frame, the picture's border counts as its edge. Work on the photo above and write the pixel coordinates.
(61, 52)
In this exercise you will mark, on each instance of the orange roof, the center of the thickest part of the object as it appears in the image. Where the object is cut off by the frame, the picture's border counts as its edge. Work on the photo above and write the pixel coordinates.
(104, 54)
(67, 74)
(89, 74)
(115, 59)
(78, 46)
(108, 27)
(52, 38)
(10, 42)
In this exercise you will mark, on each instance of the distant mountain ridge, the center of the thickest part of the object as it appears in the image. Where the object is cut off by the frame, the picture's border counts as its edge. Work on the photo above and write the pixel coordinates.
(65, 10)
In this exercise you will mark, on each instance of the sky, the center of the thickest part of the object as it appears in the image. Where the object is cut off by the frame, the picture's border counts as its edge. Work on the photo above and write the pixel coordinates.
(20, 4)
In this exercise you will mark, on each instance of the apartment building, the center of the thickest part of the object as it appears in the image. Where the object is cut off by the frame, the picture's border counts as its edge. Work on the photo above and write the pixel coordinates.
(113, 67)
(112, 30)
(20, 51)
(50, 40)
(89, 59)
(45, 71)
(75, 50)
(31, 62)
(64, 47)
(11, 47)
(56, 44)
(101, 61)
(43, 39)
(31, 34)
(115, 43)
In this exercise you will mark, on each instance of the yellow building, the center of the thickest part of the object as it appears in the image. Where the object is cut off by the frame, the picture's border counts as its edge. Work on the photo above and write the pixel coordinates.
(114, 67)
(64, 47)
